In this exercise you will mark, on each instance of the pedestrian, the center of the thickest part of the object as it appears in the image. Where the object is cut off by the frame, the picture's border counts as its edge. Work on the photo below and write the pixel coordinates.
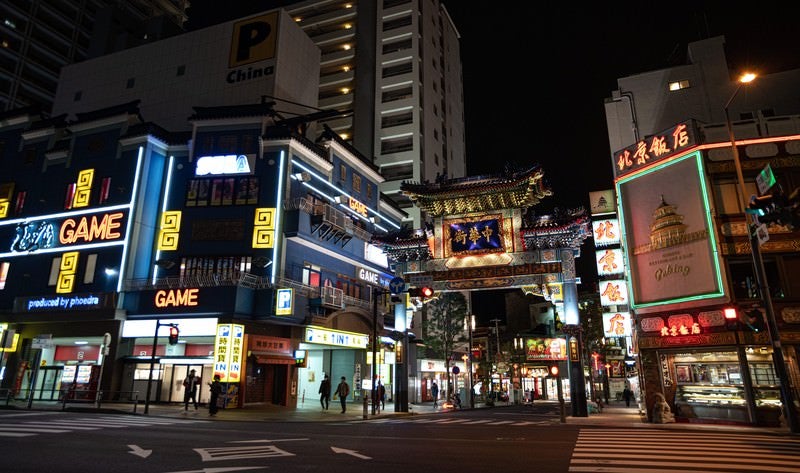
(342, 390)
(627, 395)
(435, 393)
(190, 383)
(382, 397)
(216, 390)
(325, 392)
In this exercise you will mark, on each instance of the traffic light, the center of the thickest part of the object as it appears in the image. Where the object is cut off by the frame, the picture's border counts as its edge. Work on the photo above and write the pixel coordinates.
(554, 370)
(775, 207)
(421, 292)
(173, 334)
(731, 318)
(753, 319)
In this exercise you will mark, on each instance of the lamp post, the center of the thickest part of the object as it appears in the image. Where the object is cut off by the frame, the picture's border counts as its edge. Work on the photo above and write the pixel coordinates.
(470, 323)
(761, 277)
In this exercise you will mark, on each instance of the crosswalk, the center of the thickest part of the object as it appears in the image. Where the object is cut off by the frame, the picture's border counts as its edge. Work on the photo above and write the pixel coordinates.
(438, 420)
(30, 424)
(651, 450)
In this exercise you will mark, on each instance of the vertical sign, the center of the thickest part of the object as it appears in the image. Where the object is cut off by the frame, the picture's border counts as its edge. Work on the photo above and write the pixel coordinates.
(228, 348)
(283, 305)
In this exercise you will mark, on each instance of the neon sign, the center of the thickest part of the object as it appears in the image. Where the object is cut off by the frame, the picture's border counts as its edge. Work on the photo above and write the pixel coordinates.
(177, 298)
(87, 229)
(357, 206)
(655, 148)
(227, 164)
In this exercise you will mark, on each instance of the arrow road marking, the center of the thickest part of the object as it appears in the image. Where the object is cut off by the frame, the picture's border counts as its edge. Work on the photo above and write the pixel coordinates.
(139, 451)
(223, 469)
(350, 452)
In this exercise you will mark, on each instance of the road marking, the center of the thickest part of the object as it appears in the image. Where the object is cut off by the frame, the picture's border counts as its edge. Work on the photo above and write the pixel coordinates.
(350, 452)
(14, 434)
(223, 469)
(61, 423)
(33, 428)
(139, 451)
(238, 453)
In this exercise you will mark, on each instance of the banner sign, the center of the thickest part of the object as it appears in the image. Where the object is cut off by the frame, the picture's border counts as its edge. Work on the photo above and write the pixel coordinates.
(228, 348)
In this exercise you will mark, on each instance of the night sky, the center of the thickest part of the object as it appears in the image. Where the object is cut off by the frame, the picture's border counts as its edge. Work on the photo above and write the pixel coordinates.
(536, 76)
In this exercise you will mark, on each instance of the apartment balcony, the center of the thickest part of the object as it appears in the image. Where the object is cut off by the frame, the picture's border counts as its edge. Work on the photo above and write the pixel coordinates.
(329, 223)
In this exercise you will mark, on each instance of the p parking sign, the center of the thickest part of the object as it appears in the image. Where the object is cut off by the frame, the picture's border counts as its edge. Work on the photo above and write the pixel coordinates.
(284, 301)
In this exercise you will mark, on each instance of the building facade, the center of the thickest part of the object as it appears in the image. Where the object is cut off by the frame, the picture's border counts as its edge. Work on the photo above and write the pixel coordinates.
(396, 65)
(235, 228)
(687, 247)
(41, 36)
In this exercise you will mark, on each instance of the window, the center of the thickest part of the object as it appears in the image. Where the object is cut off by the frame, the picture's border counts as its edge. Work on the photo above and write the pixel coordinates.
(222, 191)
(4, 266)
(20, 203)
(342, 173)
(678, 85)
(356, 183)
(91, 265)
(398, 94)
(369, 191)
(397, 46)
(397, 70)
(225, 267)
(726, 196)
(131, 82)
(105, 188)
(397, 145)
(743, 280)
(311, 275)
(70, 196)
(55, 266)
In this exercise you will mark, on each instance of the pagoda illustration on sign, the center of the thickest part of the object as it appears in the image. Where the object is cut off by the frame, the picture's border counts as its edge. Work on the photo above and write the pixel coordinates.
(668, 230)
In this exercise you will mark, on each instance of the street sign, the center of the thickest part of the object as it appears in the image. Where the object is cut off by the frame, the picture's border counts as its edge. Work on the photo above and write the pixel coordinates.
(765, 180)
(420, 280)
(397, 285)
(762, 234)
(44, 340)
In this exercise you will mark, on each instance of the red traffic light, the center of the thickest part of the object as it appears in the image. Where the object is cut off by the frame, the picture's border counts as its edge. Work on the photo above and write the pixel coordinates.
(173, 334)
(426, 292)
(554, 370)
(423, 292)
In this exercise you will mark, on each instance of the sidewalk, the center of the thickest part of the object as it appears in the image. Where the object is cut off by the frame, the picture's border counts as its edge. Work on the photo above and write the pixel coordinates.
(615, 415)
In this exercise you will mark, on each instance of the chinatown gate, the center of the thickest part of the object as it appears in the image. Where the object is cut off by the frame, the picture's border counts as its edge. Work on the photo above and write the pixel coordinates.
(482, 234)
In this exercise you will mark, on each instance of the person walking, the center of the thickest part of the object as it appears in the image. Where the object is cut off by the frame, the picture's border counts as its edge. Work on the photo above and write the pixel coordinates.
(627, 395)
(216, 390)
(190, 384)
(325, 392)
(342, 390)
(435, 393)
(382, 395)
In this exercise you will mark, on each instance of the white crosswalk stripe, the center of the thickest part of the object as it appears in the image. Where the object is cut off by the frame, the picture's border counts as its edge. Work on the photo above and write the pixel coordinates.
(451, 421)
(22, 427)
(648, 450)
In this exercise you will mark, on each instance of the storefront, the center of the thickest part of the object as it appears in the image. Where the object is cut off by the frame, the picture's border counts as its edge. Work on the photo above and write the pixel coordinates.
(335, 353)
(708, 377)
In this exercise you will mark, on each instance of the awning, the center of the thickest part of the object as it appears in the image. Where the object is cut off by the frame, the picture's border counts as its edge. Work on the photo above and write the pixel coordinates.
(275, 359)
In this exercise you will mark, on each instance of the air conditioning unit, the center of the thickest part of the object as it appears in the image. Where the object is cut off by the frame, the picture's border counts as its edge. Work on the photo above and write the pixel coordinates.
(333, 297)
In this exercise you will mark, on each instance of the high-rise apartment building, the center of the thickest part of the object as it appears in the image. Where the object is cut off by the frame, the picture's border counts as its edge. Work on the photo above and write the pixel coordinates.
(38, 37)
(396, 65)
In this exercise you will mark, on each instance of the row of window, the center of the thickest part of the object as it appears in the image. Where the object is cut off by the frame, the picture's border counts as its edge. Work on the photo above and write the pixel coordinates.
(356, 181)
(222, 191)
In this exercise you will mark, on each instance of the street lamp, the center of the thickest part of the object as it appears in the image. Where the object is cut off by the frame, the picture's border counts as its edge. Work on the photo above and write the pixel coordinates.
(469, 321)
(761, 277)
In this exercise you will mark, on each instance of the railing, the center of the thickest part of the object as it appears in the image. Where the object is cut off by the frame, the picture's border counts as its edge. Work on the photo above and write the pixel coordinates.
(172, 282)
(88, 398)
(330, 214)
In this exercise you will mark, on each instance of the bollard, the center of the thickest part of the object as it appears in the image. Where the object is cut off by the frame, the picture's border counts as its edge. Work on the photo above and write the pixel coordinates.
(365, 408)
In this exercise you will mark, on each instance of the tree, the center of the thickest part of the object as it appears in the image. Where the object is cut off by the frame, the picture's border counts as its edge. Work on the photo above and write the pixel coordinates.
(443, 325)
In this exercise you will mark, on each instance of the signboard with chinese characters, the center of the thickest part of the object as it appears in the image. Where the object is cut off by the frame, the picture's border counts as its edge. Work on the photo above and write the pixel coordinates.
(475, 237)
(617, 324)
(545, 349)
(606, 232)
(672, 253)
(613, 292)
(602, 202)
(609, 262)
(327, 336)
(655, 148)
(228, 348)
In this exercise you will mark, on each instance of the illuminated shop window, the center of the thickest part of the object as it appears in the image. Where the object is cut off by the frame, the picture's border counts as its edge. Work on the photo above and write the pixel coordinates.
(678, 85)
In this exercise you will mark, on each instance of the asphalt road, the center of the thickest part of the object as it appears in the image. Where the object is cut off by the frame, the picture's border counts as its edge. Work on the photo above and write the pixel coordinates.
(507, 440)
